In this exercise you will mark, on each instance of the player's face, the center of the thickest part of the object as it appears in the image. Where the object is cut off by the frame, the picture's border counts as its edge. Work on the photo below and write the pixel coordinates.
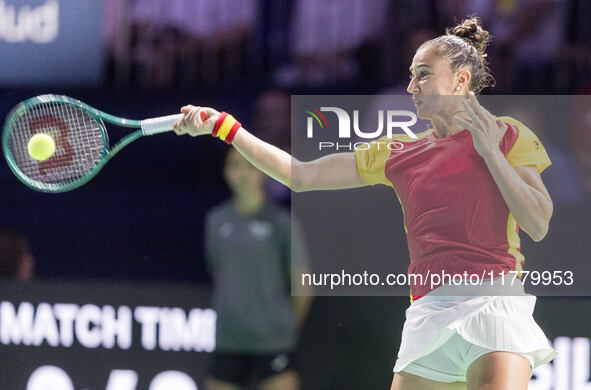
(241, 176)
(432, 84)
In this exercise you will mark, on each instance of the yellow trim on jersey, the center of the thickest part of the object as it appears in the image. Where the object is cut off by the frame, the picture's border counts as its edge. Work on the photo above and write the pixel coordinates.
(403, 215)
(371, 162)
(514, 242)
(527, 150)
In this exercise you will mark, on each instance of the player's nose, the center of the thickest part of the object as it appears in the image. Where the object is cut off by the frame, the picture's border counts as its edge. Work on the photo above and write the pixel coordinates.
(412, 86)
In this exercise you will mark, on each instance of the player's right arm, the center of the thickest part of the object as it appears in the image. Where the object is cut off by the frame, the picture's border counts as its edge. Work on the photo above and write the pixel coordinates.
(331, 172)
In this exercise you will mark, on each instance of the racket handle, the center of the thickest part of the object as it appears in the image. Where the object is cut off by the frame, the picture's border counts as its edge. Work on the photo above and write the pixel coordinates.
(159, 125)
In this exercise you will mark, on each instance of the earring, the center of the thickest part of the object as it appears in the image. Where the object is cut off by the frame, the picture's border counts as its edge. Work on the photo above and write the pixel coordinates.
(457, 88)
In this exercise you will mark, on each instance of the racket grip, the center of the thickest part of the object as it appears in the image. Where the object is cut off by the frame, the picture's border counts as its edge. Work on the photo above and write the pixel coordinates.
(159, 125)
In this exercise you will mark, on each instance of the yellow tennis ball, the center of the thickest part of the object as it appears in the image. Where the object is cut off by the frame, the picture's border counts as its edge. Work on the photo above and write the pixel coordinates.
(41, 146)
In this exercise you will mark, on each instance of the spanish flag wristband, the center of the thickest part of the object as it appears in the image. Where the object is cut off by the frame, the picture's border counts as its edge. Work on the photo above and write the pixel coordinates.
(226, 127)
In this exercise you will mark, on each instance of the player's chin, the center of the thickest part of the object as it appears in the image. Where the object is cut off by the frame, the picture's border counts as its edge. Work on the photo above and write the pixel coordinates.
(423, 112)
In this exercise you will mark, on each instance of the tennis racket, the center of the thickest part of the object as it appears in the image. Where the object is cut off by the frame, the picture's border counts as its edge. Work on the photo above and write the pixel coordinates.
(81, 139)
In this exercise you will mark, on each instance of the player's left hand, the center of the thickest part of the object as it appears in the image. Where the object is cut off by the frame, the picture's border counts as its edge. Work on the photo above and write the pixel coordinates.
(487, 131)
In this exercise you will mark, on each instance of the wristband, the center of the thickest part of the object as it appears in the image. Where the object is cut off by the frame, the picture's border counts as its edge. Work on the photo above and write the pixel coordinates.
(226, 127)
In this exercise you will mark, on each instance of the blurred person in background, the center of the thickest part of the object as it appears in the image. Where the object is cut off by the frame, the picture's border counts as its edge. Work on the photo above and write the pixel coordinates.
(248, 247)
(324, 40)
(272, 117)
(160, 43)
(16, 259)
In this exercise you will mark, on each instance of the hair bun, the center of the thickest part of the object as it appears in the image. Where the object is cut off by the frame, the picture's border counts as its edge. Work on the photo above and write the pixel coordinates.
(471, 31)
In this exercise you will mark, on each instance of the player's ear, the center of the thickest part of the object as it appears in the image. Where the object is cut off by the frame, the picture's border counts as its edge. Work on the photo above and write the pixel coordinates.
(463, 77)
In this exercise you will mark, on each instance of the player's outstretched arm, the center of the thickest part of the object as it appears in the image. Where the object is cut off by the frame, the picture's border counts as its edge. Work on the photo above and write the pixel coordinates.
(335, 171)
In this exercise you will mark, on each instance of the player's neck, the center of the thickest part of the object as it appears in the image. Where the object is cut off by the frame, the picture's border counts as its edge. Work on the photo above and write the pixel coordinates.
(445, 128)
(248, 203)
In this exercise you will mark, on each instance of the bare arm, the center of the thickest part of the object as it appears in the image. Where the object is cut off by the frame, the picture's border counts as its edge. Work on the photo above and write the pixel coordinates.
(521, 187)
(332, 172)
(525, 194)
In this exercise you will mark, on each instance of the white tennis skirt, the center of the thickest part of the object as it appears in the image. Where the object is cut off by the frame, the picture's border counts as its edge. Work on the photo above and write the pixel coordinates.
(497, 322)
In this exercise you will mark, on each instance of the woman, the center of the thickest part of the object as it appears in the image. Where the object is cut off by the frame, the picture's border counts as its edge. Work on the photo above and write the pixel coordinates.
(466, 187)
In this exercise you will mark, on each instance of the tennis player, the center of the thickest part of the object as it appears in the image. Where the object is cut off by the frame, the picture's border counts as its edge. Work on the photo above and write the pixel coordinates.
(466, 187)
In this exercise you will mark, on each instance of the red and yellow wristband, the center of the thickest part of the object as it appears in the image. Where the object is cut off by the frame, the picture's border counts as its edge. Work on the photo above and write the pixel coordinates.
(226, 127)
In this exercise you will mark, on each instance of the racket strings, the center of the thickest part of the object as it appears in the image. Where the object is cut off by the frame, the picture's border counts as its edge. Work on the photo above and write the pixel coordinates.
(78, 139)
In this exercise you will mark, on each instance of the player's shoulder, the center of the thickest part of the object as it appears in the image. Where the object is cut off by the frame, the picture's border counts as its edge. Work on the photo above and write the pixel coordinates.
(518, 133)
(519, 127)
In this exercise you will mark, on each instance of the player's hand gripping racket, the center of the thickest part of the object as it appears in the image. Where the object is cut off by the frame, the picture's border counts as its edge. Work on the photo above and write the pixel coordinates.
(80, 140)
